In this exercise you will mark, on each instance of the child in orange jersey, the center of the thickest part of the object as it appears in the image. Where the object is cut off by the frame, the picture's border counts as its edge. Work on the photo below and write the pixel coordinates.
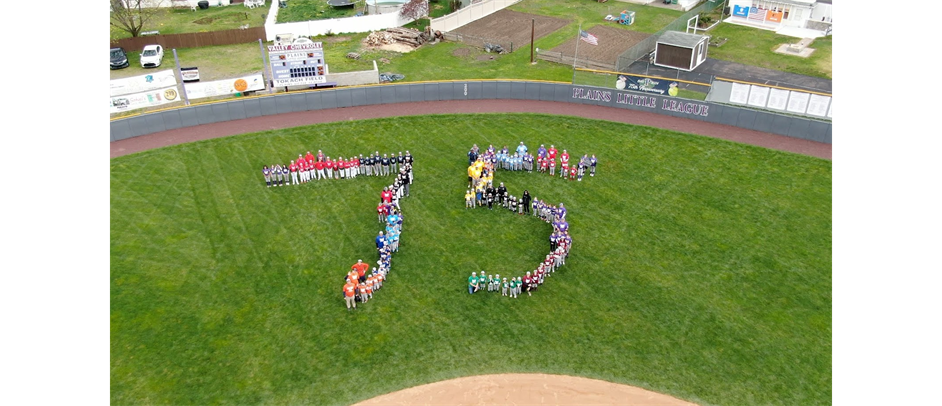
(349, 294)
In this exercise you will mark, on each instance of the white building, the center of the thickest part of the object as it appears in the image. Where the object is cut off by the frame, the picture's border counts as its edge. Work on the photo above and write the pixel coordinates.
(799, 18)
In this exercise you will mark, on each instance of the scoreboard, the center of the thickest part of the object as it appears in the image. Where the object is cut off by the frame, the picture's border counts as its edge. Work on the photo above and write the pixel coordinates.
(297, 64)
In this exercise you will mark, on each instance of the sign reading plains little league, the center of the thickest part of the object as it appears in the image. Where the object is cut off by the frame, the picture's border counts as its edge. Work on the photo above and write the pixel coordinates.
(667, 103)
(297, 64)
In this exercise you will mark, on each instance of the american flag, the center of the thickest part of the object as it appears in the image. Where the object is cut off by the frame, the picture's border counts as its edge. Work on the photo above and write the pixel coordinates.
(585, 36)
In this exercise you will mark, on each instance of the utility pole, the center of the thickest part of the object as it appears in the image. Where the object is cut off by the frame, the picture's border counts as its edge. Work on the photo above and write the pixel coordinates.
(532, 34)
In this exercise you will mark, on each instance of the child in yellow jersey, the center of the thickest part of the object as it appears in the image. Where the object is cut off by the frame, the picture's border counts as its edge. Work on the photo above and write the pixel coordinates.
(479, 193)
(468, 199)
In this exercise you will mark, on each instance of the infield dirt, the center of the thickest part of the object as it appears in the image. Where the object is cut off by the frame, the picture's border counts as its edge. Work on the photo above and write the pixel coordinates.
(524, 389)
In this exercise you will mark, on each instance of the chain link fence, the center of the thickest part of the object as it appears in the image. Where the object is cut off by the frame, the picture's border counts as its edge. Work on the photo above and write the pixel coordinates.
(644, 48)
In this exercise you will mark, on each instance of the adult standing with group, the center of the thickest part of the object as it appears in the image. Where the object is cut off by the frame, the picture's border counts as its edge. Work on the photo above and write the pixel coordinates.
(526, 200)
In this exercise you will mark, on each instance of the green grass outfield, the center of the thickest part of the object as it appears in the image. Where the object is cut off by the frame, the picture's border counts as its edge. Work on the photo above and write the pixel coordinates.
(700, 268)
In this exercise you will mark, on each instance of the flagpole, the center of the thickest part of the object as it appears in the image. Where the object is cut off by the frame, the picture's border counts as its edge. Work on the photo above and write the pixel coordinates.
(578, 38)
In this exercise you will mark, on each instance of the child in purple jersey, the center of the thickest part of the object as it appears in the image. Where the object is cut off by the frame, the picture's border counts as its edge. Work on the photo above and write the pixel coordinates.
(267, 173)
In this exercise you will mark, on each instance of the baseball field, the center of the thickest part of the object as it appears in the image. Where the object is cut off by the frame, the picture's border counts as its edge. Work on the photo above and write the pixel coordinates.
(700, 268)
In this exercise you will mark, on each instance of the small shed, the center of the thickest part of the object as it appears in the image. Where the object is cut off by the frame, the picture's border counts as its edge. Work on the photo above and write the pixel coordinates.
(680, 50)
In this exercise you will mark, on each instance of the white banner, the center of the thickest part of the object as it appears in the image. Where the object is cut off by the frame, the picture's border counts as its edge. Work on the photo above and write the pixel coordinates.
(143, 83)
(798, 102)
(778, 99)
(818, 105)
(309, 80)
(758, 95)
(740, 93)
(146, 99)
(224, 87)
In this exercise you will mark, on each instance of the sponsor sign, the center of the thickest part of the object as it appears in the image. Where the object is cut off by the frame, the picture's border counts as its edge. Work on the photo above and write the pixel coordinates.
(740, 11)
(782, 100)
(142, 83)
(739, 94)
(295, 47)
(778, 99)
(758, 95)
(297, 64)
(774, 16)
(798, 102)
(818, 105)
(150, 98)
(190, 74)
(311, 80)
(647, 85)
(225, 87)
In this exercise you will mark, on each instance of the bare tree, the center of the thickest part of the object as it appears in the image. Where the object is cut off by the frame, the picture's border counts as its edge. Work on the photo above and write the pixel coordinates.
(414, 9)
(132, 15)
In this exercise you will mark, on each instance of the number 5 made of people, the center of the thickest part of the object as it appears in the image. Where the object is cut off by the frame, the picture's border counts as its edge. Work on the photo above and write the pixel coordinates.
(482, 192)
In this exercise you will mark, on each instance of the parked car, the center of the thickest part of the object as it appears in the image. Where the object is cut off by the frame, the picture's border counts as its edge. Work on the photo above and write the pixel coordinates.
(119, 58)
(152, 56)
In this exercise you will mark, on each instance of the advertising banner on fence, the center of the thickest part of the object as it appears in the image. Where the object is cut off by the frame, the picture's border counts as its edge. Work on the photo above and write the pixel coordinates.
(740, 11)
(756, 14)
(151, 98)
(224, 87)
(143, 83)
(776, 99)
(190, 74)
(647, 85)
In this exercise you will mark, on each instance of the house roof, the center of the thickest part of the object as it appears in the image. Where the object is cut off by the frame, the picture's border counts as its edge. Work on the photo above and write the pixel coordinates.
(680, 39)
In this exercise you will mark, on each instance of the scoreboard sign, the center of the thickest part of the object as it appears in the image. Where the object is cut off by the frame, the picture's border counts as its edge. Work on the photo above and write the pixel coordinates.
(297, 64)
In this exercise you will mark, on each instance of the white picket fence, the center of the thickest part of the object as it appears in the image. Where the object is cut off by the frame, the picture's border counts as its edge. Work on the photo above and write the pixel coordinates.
(367, 23)
(475, 11)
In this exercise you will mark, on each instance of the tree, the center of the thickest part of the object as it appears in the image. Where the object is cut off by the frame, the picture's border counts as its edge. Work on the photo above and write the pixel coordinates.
(414, 9)
(131, 16)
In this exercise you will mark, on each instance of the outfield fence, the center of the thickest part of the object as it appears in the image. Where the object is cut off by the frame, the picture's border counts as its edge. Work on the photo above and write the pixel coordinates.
(313, 100)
